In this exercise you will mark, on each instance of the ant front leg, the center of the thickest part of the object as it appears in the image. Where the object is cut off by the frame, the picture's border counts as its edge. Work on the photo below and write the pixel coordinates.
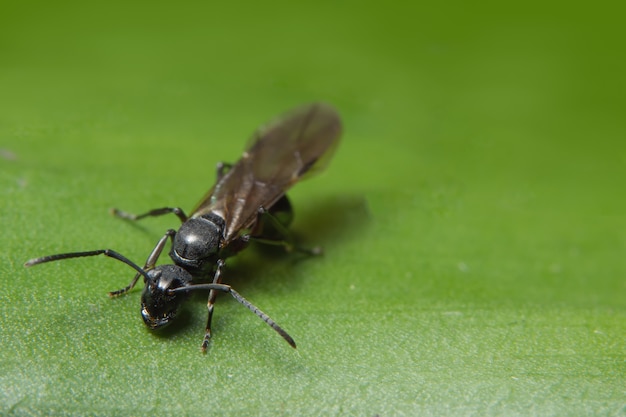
(150, 263)
(217, 279)
(152, 213)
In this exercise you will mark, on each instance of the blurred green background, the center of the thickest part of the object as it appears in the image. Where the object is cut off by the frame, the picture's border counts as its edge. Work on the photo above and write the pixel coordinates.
(473, 218)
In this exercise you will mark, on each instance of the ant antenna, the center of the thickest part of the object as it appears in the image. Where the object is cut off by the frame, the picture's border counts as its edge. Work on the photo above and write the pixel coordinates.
(106, 252)
(242, 300)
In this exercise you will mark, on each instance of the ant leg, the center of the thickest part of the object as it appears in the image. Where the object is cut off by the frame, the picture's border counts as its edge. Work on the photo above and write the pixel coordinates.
(285, 237)
(152, 213)
(222, 168)
(150, 263)
(217, 279)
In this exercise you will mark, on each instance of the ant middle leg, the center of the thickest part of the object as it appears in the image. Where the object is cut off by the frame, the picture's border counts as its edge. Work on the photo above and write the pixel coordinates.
(272, 228)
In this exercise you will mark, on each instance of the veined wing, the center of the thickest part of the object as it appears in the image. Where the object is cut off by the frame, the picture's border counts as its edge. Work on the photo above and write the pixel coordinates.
(279, 154)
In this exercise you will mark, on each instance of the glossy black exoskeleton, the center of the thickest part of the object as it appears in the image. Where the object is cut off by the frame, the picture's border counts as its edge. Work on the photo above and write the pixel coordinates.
(247, 203)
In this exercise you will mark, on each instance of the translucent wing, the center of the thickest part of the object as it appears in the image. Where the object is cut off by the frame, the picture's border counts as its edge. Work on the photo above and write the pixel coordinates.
(279, 154)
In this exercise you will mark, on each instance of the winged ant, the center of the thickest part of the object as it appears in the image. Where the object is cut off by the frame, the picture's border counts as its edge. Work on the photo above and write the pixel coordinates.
(247, 203)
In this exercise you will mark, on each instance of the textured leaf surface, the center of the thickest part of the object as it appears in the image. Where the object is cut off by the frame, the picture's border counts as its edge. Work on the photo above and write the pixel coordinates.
(473, 218)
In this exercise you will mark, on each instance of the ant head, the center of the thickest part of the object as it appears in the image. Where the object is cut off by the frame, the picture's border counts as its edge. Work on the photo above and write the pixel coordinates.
(159, 304)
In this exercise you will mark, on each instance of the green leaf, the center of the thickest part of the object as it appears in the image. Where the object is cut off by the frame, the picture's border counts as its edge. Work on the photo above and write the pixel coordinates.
(473, 219)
